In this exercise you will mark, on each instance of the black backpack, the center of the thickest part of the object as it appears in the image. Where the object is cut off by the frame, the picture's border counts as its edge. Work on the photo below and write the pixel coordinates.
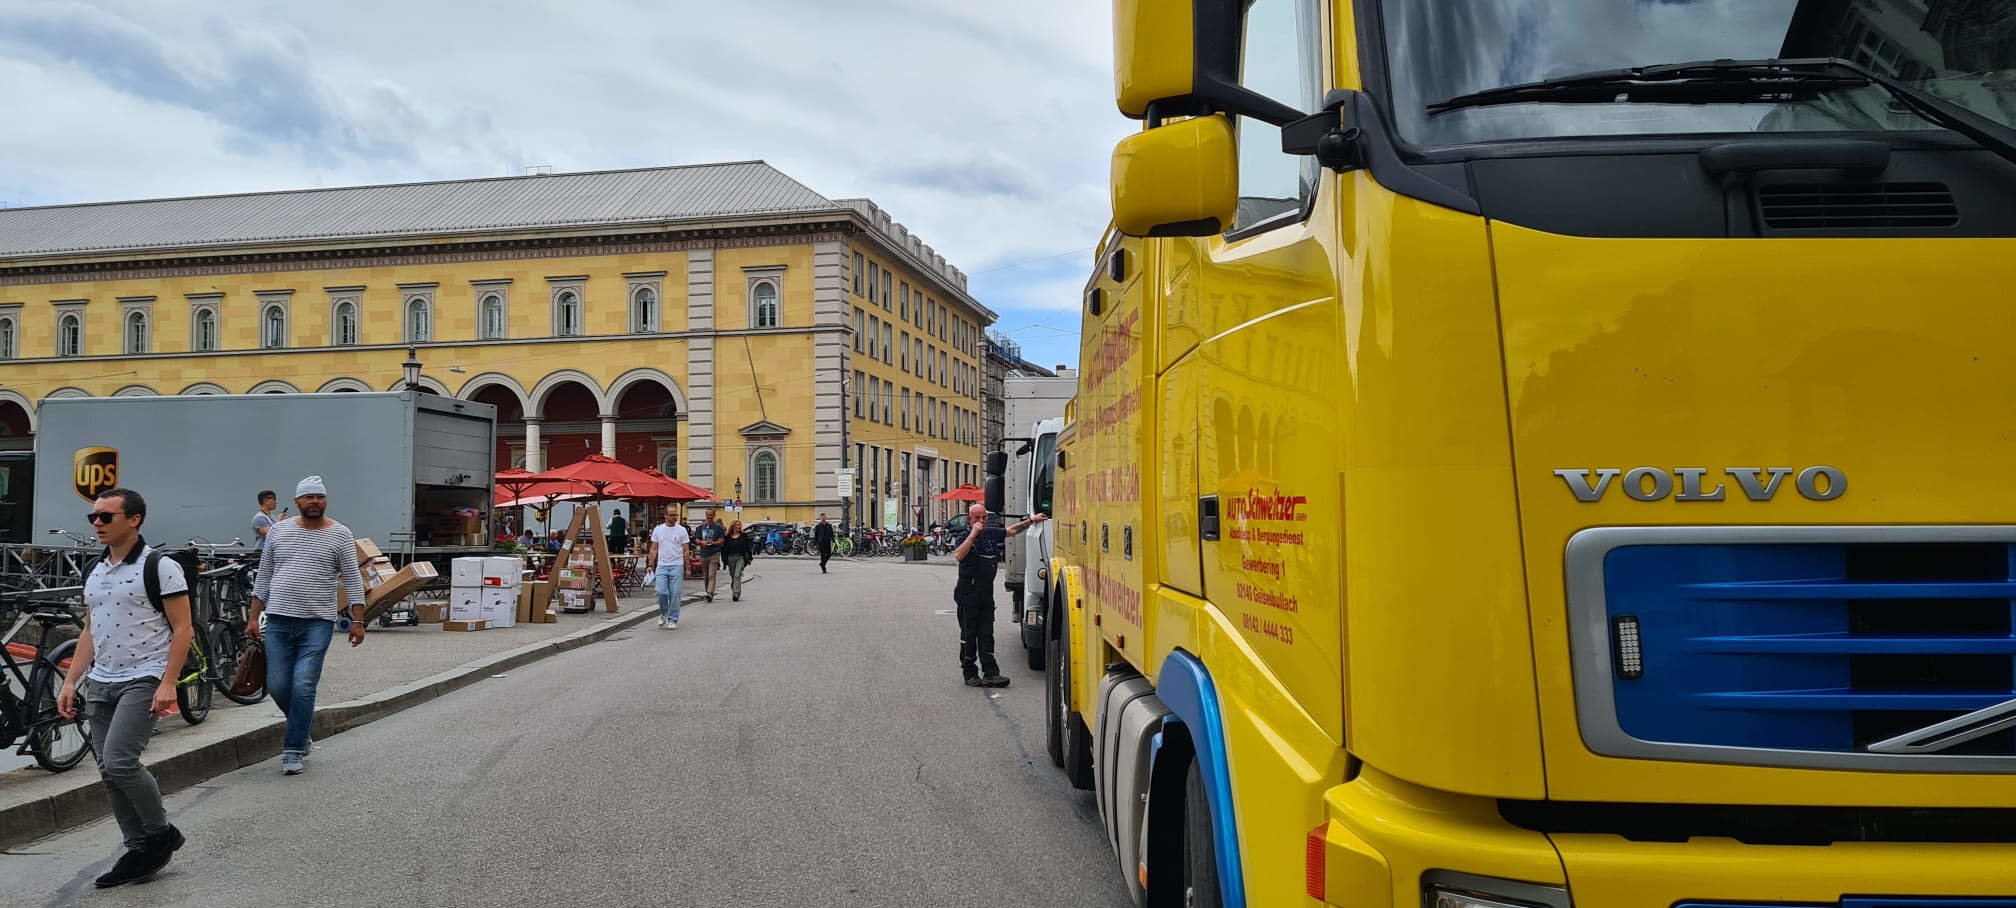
(151, 576)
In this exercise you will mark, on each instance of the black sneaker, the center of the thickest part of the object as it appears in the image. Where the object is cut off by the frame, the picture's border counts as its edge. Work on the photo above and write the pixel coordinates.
(973, 681)
(994, 681)
(174, 838)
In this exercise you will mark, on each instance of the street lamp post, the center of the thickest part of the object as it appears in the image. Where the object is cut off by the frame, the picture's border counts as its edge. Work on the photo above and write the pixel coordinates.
(738, 490)
(412, 366)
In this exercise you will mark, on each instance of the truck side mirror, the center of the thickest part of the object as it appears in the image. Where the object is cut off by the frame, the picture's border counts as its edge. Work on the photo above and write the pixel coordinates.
(996, 494)
(997, 464)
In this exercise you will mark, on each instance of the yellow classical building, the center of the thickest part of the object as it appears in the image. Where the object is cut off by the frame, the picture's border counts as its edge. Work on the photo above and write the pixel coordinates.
(722, 322)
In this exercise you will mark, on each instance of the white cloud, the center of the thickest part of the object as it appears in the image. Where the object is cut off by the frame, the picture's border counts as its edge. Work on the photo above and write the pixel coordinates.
(985, 128)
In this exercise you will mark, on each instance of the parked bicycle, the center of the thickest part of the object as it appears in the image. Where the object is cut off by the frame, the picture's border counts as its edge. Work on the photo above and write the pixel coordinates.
(223, 597)
(30, 716)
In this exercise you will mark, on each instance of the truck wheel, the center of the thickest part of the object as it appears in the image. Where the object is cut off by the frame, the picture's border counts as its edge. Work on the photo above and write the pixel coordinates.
(1065, 734)
(1200, 852)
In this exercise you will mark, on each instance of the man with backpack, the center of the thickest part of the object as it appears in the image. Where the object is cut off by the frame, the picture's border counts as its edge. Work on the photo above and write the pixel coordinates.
(131, 652)
(304, 562)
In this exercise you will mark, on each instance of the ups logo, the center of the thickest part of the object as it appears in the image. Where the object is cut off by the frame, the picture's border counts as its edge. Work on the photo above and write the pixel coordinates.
(94, 472)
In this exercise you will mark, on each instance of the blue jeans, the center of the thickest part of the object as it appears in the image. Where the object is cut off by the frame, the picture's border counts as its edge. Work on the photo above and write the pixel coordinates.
(294, 651)
(669, 582)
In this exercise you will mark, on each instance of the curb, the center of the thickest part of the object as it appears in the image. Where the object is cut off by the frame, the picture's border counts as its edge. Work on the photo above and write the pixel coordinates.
(86, 802)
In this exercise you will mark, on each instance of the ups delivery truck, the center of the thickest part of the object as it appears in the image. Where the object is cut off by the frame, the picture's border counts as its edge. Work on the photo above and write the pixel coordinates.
(404, 469)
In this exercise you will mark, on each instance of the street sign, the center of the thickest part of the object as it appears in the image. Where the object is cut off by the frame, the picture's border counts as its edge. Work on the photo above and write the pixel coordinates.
(843, 480)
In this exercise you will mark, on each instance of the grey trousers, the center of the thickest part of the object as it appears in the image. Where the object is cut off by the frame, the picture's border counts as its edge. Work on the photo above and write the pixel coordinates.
(121, 723)
(735, 566)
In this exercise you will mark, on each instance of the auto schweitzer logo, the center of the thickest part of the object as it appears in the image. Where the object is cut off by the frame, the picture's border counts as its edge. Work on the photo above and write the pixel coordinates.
(94, 471)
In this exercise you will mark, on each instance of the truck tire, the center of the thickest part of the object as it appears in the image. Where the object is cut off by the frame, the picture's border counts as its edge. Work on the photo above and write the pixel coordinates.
(1065, 734)
(1200, 852)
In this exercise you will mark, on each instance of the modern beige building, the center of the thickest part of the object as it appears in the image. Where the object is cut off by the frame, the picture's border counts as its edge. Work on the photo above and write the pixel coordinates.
(722, 322)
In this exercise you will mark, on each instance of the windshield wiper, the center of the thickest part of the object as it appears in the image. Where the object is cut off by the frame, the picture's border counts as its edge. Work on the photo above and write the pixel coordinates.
(1740, 80)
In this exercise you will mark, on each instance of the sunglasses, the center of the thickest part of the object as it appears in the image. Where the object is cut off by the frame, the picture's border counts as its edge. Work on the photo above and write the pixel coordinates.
(103, 516)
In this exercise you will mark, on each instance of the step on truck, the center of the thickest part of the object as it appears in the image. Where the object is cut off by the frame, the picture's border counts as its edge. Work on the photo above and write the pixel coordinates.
(1546, 454)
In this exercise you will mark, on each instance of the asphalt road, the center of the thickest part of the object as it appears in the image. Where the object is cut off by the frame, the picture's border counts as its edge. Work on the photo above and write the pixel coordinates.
(811, 745)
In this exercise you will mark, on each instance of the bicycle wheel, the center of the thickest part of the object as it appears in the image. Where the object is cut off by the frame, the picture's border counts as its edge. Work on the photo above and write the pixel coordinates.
(58, 743)
(193, 694)
(228, 644)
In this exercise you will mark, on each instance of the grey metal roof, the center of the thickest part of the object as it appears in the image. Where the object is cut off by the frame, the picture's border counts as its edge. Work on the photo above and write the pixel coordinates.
(406, 209)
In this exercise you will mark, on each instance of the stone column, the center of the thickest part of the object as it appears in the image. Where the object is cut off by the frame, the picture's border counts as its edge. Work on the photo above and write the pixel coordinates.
(608, 435)
(535, 453)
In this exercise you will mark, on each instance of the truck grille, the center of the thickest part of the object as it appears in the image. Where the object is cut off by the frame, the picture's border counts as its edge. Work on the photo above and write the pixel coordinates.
(1817, 647)
(1806, 206)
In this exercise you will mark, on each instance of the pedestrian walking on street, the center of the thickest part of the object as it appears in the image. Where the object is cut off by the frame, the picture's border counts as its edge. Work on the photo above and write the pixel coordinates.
(130, 654)
(262, 519)
(711, 534)
(305, 562)
(668, 555)
(737, 551)
(822, 537)
(978, 551)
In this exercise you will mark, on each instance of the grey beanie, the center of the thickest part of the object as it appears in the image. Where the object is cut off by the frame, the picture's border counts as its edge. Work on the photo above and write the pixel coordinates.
(310, 486)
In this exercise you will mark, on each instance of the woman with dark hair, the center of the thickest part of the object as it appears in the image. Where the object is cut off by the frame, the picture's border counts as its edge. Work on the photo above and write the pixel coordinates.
(737, 549)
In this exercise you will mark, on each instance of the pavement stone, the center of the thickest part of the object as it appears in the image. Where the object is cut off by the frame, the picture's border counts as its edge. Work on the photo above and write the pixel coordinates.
(396, 668)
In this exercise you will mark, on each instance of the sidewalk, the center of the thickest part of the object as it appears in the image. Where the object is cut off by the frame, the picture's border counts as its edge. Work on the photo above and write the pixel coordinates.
(396, 668)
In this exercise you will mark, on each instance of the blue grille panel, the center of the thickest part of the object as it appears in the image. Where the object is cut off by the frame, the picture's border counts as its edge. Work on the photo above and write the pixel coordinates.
(1817, 647)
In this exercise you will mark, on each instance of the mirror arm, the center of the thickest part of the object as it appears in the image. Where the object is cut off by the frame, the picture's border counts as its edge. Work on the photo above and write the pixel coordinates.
(1324, 134)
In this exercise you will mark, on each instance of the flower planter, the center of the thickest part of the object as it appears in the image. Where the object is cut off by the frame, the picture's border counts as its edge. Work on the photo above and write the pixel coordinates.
(913, 553)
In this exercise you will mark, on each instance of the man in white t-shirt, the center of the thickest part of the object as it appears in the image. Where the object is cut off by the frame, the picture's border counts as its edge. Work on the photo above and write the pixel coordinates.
(668, 552)
(130, 655)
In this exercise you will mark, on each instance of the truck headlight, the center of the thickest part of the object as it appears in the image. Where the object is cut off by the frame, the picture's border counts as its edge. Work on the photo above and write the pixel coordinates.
(1444, 889)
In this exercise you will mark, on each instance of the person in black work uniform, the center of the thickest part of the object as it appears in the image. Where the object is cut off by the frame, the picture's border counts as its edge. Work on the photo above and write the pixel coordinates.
(978, 552)
(822, 538)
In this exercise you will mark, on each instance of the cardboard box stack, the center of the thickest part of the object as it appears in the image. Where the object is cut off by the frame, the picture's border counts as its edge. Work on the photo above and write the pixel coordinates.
(458, 527)
(576, 578)
(385, 587)
(485, 592)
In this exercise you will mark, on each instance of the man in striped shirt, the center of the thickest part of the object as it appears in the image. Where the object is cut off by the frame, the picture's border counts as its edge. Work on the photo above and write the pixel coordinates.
(300, 567)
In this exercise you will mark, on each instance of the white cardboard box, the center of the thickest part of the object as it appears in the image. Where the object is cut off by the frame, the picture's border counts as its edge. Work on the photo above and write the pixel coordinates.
(503, 571)
(465, 603)
(500, 607)
(466, 572)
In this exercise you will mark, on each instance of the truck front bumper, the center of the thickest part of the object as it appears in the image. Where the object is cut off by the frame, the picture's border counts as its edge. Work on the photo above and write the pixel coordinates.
(1387, 842)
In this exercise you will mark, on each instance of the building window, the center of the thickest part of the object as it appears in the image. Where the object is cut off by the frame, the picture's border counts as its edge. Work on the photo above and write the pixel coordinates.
(941, 369)
(903, 301)
(644, 311)
(9, 335)
(888, 344)
(765, 472)
(874, 399)
(857, 274)
(860, 392)
(567, 315)
(888, 404)
(888, 282)
(569, 305)
(273, 328)
(874, 329)
(493, 317)
(70, 335)
(917, 357)
(419, 320)
(859, 326)
(136, 332)
(343, 324)
(763, 304)
(906, 408)
(874, 282)
(669, 464)
(904, 351)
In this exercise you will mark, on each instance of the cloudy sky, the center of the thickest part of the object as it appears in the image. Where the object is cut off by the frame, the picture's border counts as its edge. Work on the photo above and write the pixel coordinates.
(985, 127)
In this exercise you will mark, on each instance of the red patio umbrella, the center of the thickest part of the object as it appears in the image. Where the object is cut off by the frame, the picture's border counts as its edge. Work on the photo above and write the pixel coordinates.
(662, 488)
(514, 484)
(602, 477)
(965, 492)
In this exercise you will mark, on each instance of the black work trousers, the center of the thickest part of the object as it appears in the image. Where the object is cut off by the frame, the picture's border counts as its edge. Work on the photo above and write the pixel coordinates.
(974, 596)
(825, 552)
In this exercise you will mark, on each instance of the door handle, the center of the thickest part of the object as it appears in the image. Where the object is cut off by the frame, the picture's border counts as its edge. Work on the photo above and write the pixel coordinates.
(1207, 517)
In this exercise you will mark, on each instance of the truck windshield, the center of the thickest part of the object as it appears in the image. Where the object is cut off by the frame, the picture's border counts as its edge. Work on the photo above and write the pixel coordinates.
(1046, 473)
(1441, 49)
